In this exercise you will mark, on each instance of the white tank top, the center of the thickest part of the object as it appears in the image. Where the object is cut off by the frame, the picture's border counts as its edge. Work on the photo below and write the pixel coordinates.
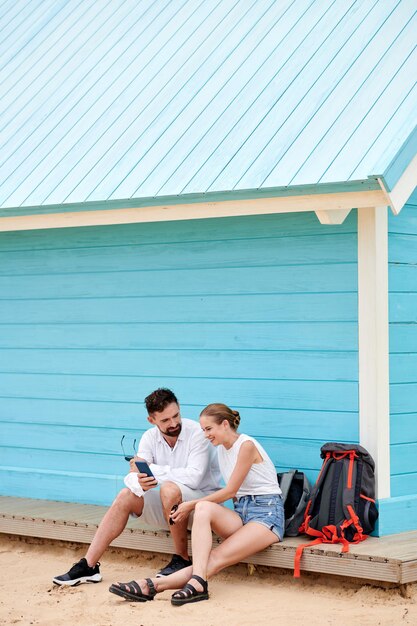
(261, 478)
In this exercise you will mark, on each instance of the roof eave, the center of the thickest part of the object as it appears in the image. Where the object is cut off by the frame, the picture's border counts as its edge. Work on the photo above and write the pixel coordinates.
(331, 201)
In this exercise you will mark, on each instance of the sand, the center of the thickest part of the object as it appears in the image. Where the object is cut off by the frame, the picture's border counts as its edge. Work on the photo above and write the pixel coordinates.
(266, 596)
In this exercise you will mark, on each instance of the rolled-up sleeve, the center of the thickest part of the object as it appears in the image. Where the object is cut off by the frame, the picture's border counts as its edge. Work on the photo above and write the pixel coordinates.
(145, 449)
(195, 466)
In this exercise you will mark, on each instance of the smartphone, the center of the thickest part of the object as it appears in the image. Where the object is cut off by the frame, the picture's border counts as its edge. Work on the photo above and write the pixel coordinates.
(144, 468)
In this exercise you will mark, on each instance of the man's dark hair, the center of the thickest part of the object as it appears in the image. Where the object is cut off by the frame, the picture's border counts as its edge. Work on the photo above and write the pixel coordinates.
(159, 399)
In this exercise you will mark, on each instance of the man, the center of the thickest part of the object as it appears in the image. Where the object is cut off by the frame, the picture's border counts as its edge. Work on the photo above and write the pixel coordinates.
(185, 468)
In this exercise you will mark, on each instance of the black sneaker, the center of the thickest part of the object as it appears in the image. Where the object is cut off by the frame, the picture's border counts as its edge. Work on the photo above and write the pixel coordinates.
(175, 564)
(79, 573)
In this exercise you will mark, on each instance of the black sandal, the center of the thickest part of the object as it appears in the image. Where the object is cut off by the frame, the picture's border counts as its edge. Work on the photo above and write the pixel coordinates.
(189, 593)
(133, 592)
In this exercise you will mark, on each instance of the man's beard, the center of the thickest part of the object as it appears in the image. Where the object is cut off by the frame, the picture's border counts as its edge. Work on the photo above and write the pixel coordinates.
(173, 432)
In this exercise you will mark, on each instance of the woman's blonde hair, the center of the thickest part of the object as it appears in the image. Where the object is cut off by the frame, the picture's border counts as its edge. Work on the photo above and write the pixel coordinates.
(220, 412)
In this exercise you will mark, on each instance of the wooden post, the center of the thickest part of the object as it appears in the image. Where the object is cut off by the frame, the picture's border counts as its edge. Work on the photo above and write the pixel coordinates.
(373, 320)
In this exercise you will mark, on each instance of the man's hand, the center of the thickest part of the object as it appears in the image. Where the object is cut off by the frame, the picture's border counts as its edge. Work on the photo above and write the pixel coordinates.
(147, 482)
(133, 467)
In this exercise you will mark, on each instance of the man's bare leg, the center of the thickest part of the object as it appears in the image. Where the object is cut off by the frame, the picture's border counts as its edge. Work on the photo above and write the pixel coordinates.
(113, 523)
(170, 495)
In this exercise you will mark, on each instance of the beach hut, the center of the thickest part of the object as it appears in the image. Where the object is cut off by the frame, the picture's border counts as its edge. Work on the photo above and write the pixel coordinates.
(217, 197)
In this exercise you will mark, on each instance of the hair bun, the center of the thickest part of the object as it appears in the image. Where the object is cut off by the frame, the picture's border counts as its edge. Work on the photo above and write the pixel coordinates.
(236, 421)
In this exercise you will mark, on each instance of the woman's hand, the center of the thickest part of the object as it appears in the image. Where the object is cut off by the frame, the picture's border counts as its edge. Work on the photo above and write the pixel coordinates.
(182, 512)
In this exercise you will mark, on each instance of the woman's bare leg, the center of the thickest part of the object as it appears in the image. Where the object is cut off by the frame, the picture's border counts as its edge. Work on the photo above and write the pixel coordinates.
(239, 543)
(207, 516)
(251, 538)
(244, 542)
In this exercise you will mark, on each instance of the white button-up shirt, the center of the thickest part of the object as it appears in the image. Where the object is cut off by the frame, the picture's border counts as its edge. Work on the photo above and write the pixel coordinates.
(191, 462)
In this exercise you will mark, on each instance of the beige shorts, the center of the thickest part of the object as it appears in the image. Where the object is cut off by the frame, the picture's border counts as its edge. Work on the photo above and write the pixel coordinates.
(153, 515)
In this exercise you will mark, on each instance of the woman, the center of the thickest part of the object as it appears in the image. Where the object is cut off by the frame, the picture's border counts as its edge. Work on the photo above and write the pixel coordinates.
(256, 522)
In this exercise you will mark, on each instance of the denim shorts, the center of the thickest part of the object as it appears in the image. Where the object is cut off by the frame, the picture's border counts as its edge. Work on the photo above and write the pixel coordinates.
(264, 509)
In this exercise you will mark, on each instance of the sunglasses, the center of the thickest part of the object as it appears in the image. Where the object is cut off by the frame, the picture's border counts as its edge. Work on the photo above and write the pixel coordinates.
(128, 457)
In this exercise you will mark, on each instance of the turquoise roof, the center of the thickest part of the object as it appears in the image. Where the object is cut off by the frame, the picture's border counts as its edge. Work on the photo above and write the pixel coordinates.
(120, 99)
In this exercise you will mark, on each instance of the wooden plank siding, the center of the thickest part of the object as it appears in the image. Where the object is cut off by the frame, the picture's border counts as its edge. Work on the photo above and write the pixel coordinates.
(403, 349)
(257, 312)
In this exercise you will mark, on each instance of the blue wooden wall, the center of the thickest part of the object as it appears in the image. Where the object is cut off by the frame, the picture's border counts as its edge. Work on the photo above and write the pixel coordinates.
(403, 349)
(256, 312)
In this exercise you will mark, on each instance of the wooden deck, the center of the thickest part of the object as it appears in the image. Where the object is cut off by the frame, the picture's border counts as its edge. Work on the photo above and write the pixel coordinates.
(390, 559)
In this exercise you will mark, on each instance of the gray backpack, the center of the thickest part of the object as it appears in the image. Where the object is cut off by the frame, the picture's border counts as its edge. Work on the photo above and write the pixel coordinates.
(295, 495)
(342, 506)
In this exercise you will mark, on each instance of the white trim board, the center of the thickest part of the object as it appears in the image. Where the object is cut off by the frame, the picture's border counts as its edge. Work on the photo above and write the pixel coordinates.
(405, 186)
(373, 323)
(329, 204)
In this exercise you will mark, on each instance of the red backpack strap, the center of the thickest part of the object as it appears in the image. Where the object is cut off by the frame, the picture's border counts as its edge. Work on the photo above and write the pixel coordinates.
(328, 534)
(299, 554)
(304, 526)
(359, 535)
